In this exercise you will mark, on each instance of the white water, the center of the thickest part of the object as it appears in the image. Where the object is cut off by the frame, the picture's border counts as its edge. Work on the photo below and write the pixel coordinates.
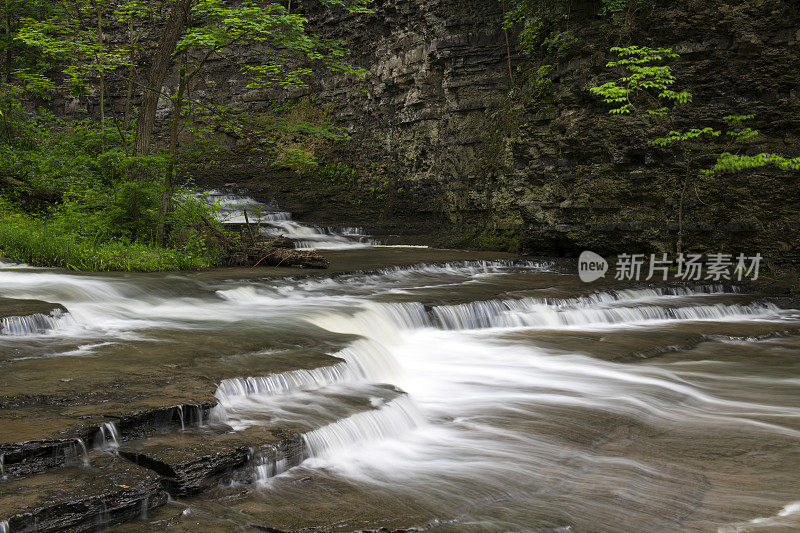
(35, 324)
(393, 420)
(274, 222)
(461, 383)
(488, 410)
(108, 437)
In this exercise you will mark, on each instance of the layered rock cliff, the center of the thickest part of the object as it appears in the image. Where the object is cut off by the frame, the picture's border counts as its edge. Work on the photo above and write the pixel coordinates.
(468, 161)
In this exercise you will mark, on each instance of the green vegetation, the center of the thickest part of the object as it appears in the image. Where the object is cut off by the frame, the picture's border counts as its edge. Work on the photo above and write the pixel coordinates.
(96, 190)
(644, 87)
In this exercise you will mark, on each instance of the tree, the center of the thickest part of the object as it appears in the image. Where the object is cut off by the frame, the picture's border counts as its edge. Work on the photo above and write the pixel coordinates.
(645, 88)
(280, 48)
(274, 45)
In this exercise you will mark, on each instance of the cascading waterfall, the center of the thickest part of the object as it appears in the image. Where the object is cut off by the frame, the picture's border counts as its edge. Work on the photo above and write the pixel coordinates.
(4, 527)
(79, 449)
(270, 463)
(274, 223)
(230, 389)
(528, 314)
(396, 418)
(108, 436)
(431, 405)
(35, 324)
(364, 360)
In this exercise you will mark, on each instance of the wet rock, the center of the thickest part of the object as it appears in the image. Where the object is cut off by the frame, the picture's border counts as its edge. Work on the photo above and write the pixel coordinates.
(30, 317)
(31, 457)
(193, 462)
(26, 458)
(162, 419)
(17, 307)
(109, 492)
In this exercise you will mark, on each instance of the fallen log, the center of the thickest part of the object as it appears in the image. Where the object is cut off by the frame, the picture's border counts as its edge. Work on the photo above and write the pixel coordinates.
(276, 252)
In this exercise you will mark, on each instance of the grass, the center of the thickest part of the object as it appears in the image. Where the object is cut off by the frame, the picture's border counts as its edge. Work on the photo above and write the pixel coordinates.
(38, 243)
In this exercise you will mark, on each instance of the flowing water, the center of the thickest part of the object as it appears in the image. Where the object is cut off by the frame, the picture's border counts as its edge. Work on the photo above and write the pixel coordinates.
(448, 394)
(272, 222)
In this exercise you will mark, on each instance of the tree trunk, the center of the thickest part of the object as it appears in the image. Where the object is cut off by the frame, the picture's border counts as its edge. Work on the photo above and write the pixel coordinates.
(508, 48)
(169, 178)
(129, 92)
(102, 80)
(158, 71)
(679, 244)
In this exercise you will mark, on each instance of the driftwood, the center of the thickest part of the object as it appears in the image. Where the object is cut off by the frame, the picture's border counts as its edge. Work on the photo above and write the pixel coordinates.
(276, 252)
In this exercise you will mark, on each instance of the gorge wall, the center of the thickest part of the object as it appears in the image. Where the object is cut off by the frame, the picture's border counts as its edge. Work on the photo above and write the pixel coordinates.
(467, 161)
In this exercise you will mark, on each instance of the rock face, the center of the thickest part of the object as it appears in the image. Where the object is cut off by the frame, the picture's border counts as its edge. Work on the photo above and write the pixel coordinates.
(470, 164)
(108, 493)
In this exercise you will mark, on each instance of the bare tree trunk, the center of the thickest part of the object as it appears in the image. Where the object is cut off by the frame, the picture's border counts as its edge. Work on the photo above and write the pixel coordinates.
(508, 48)
(102, 80)
(158, 71)
(169, 178)
(679, 244)
(126, 120)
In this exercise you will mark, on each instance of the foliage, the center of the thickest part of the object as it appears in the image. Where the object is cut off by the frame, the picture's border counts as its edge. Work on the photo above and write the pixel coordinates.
(645, 86)
(543, 24)
(43, 243)
(727, 162)
(644, 83)
(77, 180)
(338, 173)
(95, 215)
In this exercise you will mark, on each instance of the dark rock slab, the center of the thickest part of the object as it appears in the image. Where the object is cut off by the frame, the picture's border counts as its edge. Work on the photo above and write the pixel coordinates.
(26, 458)
(29, 317)
(17, 307)
(108, 492)
(193, 461)
(34, 456)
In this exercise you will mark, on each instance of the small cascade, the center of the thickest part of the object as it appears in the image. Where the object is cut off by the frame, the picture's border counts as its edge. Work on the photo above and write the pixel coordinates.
(198, 415)
(35, 324)
(377, 320)
(525, 313)
(274, 223)
(4, 527)
(79, 449)
(270, 464)
(108, 437)
(179, 409)
(464, 268)
(143, 511)
(364, 360)
(395, 419)
(283, 382)
(2, 466)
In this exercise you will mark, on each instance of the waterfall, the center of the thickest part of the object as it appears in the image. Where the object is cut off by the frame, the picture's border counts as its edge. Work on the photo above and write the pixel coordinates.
(108, 437)
(229, 389)
(275, 223)
(364, 360)
(526, 313)
(35, 324)
(392, 420)
(79, 448)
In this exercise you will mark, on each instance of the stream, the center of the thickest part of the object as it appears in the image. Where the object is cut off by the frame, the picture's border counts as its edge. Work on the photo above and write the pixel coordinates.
(430, 389)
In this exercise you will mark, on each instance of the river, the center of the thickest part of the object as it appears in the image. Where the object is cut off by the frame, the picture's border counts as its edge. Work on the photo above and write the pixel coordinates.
(431, 389)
